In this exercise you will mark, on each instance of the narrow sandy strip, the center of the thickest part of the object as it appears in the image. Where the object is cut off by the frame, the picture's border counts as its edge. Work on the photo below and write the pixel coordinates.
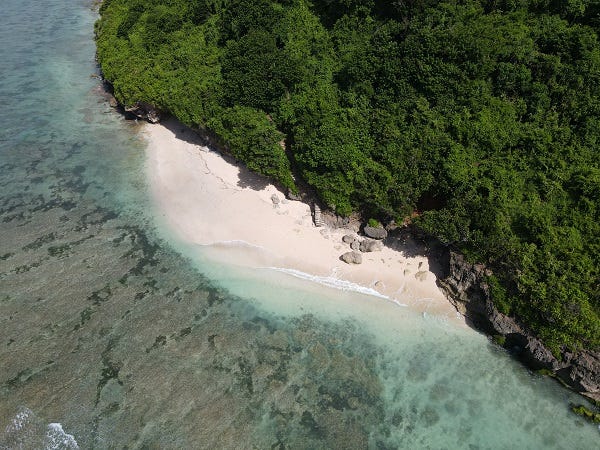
(209, 201)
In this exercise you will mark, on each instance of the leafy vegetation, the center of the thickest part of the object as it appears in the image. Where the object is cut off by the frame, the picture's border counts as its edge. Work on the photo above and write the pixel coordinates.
(480, 119)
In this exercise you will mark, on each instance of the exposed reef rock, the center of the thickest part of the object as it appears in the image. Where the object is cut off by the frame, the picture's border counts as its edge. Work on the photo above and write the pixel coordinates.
(466, 287)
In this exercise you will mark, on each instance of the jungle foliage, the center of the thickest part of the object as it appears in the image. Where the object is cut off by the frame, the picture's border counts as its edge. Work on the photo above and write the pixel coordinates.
(478, 118)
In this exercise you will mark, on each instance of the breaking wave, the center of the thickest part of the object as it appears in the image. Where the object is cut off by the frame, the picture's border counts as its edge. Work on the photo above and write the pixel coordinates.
(26, 431)
(333, 282)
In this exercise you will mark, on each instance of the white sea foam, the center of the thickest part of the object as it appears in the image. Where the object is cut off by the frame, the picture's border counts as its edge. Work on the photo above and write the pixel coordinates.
(233, 243)
(57, 438)
(397, 302)
(25, 430)
(20, 421)
(332, 282)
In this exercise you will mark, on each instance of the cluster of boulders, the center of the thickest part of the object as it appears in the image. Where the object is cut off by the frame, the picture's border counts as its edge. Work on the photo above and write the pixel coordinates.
(372, 243)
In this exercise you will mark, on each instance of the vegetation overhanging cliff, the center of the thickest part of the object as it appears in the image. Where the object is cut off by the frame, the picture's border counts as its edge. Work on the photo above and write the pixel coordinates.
(478, 119)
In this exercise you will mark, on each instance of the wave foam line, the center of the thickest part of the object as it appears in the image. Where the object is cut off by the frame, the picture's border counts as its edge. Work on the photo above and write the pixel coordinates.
(393, 300)
(232, 243)
(333, 282)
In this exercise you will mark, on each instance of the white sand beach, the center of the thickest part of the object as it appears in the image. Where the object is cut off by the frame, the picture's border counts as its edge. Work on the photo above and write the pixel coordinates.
(209, 201)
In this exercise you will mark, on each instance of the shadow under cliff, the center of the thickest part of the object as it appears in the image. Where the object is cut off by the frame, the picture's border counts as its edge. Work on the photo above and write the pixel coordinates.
(247, 178)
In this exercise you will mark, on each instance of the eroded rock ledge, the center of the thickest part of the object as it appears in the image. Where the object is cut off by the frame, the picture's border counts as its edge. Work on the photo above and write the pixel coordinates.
(139, 110)
(466, 287)
(144, 111)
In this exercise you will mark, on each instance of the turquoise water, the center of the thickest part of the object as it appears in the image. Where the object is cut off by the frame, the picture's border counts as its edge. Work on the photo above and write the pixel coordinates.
(115, 335)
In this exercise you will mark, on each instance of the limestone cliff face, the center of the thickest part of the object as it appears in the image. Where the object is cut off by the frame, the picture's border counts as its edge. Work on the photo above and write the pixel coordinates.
(139, 110)
(144, 111)
(466, 287)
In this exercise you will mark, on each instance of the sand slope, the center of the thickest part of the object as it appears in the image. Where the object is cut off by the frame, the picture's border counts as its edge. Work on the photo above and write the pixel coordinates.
(210, 201)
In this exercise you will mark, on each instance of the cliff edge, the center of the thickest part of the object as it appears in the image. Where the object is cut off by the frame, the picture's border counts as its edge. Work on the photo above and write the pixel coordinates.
(466, 287)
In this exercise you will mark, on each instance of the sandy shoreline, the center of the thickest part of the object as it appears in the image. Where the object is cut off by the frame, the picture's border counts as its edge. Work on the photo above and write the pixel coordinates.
(208, 201)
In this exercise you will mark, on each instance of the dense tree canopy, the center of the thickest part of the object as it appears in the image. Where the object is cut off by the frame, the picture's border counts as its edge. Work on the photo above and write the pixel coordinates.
(478, 118)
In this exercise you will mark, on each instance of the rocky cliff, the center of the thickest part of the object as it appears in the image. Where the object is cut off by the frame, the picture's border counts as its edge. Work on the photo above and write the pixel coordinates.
(465, 286)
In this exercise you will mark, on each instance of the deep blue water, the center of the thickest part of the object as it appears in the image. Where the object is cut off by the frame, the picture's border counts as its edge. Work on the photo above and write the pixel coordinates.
(113, 336)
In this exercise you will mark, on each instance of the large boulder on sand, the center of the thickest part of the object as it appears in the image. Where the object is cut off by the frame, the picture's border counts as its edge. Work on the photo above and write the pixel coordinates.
(351, 258)
(370, 245)
(376, 232)
(349, 238)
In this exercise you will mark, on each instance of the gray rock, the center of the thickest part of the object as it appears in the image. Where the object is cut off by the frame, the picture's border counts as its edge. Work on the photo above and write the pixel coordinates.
(376, 232)
(146, 111)
(275, 199)
(539, 357)
(349, 238)
(583, 373)
(466, 287)
(355, 245)
(293, 196)
(370, 245)
(351, 258)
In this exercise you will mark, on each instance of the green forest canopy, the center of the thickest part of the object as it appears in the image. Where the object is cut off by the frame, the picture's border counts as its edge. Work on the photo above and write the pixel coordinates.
(479, 117)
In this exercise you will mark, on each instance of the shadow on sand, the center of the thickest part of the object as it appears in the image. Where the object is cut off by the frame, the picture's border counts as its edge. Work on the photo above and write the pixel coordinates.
(247, 178)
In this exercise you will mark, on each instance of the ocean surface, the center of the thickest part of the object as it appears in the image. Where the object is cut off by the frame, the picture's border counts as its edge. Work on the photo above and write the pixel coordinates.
(115, 335)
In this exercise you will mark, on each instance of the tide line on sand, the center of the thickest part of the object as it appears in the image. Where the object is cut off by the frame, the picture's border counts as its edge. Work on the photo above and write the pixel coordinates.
(207, 200)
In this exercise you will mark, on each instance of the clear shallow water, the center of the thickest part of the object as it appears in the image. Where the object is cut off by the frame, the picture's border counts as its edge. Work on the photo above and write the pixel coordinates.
(114, 335)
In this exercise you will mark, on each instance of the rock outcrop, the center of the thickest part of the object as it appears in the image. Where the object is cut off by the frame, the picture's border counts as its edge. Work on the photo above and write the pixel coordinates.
(292, 196)
(365, 245)
(375, 232)
(371, 245)
(144, 111)
(466, 287)
(348, 239)
(583, 373)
